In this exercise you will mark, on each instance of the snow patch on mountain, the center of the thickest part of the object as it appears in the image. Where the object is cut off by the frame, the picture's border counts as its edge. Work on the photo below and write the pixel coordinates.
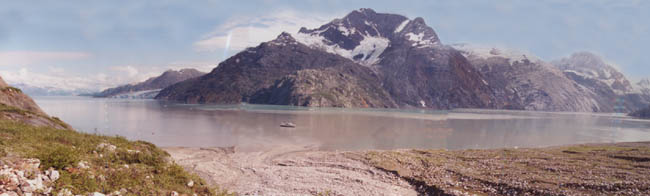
(512, 55)
(590, 66)
(401, 26)
(366, 53)
(643, 86)
(419, 40)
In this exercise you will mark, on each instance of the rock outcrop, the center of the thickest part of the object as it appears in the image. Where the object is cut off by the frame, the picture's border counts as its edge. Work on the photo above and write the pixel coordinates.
(22, 176)
(16, 106)
(14, 97)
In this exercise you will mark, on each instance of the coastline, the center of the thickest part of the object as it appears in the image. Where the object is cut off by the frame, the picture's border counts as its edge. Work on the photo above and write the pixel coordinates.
(615, 168)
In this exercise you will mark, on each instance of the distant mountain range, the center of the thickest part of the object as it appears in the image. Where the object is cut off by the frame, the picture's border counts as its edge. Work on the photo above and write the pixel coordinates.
(369, 59)
(50, 91)
(150, 87)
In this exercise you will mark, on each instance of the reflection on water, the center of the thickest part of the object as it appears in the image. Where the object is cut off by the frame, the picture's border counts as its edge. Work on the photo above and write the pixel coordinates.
(337, 129)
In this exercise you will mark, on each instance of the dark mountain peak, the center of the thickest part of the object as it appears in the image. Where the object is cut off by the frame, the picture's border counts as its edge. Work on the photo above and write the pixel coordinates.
(365, 11)
(419, 20)
(363, 35)
(284, 37)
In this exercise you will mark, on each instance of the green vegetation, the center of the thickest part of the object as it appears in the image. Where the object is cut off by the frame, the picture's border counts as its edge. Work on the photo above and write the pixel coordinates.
(11, 109)
(139, 167)
(11, 89)
(15, 110)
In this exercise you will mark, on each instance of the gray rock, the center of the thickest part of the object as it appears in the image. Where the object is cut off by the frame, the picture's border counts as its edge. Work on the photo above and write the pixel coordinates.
(65, 192)
(106, 146)
(54, 175)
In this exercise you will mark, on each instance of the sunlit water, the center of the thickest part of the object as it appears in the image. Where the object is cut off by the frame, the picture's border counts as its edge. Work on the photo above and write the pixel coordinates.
(337, 129)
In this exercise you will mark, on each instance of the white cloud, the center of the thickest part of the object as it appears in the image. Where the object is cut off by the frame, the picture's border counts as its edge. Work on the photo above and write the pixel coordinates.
(241, 32)
(129, 70)
(111, 77)
(57, 80)
(23, 58)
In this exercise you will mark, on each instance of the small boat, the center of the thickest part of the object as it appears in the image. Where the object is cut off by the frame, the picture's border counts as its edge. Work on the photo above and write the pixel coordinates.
(287, 124)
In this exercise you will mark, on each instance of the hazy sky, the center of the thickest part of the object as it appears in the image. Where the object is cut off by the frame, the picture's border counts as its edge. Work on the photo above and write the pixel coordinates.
(96, 44)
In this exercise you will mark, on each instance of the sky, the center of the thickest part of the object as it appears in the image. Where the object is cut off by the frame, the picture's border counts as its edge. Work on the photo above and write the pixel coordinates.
(81, 44)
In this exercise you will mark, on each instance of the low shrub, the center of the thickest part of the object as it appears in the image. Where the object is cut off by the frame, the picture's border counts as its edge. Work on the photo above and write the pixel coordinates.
(58, 157)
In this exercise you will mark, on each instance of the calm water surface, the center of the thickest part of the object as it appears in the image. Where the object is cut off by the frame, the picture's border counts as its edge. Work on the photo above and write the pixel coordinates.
(337, 129)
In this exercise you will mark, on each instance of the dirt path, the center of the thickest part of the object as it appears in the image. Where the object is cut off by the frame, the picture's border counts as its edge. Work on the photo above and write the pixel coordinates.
(288, 170)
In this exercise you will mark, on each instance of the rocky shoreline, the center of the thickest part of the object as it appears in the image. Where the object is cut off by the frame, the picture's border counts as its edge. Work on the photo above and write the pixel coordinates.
(620, 168)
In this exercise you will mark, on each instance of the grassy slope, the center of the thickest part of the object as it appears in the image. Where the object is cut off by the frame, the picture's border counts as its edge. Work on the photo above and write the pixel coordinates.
(149, 172)
(621, 169)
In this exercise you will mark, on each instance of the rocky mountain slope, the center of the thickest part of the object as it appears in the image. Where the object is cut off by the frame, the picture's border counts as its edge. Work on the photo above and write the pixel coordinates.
(273, 73)
(369, 59)
(611, 89)
(529, 82)
(11, 96)
(150, 87)
(16, 106)
(365, 59)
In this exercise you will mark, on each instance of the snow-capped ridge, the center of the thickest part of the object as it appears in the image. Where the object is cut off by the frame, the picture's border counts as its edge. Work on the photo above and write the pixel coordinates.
(512, 55)
(363, 35)
(591, 66)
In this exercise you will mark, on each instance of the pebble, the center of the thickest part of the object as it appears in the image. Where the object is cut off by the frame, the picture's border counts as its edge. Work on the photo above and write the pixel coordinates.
(65, 192)
(83, 165)
(25, 178)
(190, 183)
